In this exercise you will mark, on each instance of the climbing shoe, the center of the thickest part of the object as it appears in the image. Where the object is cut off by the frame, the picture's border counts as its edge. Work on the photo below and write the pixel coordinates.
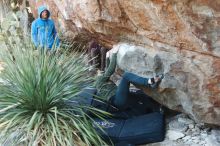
(156, 81)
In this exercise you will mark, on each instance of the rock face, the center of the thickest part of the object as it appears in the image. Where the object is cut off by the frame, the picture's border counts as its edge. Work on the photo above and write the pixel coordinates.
(178, 38)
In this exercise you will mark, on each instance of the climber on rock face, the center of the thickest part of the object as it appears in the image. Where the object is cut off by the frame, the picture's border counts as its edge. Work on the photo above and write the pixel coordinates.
(119, 95)
(43, 31)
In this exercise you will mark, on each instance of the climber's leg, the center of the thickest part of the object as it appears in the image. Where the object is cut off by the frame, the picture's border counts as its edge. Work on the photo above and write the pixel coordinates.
(122, 92)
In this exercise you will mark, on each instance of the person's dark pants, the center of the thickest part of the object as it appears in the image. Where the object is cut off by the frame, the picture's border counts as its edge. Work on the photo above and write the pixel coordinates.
(123, 93)
(103, 52)
(94, 55)
(98, 54)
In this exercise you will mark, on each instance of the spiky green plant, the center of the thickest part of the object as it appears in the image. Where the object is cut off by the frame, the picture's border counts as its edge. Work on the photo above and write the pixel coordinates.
(34, 94)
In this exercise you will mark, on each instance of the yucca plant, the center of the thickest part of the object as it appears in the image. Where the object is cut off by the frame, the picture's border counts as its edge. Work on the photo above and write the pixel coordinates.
(34, 98)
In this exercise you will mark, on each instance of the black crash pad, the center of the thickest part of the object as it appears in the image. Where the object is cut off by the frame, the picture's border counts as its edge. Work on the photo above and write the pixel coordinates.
(137, 130)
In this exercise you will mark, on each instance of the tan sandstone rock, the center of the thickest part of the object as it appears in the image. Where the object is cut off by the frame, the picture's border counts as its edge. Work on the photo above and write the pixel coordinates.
(180, 38)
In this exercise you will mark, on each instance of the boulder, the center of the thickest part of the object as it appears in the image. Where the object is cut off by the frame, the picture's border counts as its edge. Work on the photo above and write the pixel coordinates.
(187, 78)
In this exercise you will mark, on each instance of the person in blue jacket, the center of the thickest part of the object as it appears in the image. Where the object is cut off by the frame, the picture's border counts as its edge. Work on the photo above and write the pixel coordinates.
(43, 31)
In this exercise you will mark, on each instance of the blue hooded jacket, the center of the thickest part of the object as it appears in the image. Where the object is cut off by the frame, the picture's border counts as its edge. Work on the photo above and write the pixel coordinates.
(43, 31)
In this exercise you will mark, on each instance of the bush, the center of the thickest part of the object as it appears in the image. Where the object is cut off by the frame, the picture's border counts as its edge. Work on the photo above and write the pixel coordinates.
(34, 93)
